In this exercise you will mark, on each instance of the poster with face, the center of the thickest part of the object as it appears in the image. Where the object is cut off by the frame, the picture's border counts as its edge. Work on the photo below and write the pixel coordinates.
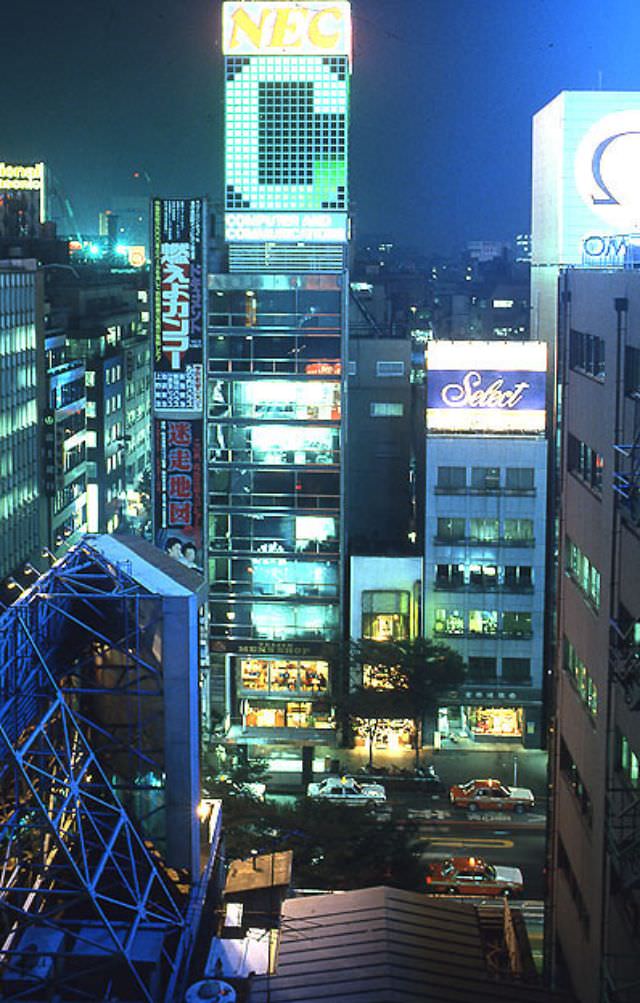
(179, 490)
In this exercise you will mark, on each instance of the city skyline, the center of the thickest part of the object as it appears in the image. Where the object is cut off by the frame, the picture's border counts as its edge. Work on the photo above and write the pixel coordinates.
(139, 90)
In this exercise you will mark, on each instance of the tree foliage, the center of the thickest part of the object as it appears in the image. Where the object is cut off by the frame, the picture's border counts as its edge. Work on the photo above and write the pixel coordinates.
(409, 676)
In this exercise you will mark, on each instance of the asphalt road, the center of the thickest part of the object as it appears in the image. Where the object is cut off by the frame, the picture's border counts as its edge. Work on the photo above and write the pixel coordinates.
(499, 837)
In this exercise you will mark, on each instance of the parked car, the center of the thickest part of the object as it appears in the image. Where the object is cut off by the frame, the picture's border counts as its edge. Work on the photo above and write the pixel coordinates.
(347, 790)
(473, 876)
(491, 795)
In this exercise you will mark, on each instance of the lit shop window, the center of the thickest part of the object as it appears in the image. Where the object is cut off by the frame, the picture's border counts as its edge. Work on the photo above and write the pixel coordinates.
(292, 714)
(393, 734)
(385, 616)
(498, 722)
(279, 675)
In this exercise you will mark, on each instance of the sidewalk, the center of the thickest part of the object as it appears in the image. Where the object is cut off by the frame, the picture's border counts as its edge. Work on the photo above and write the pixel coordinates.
(514, 766)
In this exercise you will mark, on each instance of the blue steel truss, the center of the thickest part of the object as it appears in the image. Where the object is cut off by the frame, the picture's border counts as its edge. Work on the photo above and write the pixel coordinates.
(87, 909)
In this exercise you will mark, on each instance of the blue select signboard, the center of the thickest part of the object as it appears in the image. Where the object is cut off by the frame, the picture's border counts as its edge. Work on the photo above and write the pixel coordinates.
(488, 400)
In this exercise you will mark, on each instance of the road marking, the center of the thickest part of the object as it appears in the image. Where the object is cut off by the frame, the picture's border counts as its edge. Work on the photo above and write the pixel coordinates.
(504, 844)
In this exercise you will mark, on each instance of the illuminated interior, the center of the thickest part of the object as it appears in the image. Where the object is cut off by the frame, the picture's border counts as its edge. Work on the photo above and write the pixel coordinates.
(389, 733)
(274, 675)
(292, 714)
(499, 722)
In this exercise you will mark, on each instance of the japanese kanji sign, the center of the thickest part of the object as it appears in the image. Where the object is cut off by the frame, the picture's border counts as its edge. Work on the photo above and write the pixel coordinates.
(178, 304)
(179, 489)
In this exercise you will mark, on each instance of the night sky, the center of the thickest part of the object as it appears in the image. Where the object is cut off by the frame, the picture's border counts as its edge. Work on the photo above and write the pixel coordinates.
(442, 98)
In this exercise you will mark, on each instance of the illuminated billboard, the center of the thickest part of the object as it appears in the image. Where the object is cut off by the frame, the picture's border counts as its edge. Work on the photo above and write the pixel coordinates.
(286, 28)
(586, 197)
(325, 227)
(475, 386)
(22, 199)
(178, 305)
(178, 490)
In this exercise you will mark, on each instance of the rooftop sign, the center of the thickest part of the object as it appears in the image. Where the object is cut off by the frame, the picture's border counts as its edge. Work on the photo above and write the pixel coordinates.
(477, 386)
(285, 28)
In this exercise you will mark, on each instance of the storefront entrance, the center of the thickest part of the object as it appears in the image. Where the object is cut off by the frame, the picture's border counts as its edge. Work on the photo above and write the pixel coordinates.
(476, 725)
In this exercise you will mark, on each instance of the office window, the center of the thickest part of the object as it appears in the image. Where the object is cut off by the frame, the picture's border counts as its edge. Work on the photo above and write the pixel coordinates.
(449, 576)
(451, 529)
(482, 669)
(483, 621)
(394, 368)
(385, 615)
(581, 678)
(452, 478)
(587, 354)
(585, 463)
(379, 409)
(632, 371)
(518, 531)
(484, 530)
(519, 478)
(516, 670)
(483, 576)
(485, 478)
(516, 624)
(449, 621)
(518, 576)
(584, 574)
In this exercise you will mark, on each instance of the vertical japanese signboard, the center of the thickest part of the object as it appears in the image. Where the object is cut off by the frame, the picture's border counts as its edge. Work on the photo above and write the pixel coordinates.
(179, 489)
(178, 299)
(179, 331)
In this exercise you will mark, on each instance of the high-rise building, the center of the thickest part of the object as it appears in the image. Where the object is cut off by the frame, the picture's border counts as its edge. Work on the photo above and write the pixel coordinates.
(595, 862)
(20, 310)
(275, 390)
(586, 216)
(484, 541)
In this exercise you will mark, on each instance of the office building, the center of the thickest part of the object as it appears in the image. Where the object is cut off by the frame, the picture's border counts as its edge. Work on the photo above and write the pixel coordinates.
(277, 345)
(484, 540)
(596, 810)
(20, 363)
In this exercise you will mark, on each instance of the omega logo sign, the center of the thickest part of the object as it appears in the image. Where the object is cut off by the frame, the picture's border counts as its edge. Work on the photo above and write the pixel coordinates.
(607, 169)
(284, 27)
(470, 393)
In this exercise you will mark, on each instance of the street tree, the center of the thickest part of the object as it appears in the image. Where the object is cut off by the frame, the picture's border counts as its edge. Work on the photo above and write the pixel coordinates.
(416, 671)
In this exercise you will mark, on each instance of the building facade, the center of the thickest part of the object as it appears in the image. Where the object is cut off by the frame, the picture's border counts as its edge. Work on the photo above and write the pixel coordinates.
(20, 363)
(484, 541)
(596, 808)
(275, 389)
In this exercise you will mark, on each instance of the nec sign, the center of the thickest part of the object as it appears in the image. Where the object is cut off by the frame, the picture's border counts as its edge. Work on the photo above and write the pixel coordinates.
(284, 28)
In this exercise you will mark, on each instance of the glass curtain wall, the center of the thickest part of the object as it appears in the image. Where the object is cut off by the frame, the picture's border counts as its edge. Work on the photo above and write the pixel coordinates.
(274, 414)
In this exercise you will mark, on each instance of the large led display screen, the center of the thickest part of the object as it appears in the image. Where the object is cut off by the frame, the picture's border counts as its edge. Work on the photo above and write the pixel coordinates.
(178, 491)
(285, 28)
(488, 387)
(178, 305)
(586, 195)
(324, 227)
(286, 138)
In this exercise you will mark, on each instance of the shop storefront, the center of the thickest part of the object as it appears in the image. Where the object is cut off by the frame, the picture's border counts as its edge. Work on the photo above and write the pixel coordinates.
(486, 723)
(302, 714)
(390, 734)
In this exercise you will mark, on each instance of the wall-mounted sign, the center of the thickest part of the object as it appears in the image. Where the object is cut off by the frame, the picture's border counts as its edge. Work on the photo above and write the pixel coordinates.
(324, 227)
(178, 493)
(486, 386)
(285, 28)
(178, 304)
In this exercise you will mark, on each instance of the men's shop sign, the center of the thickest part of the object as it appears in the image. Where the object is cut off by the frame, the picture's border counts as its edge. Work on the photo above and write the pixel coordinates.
(485, 400)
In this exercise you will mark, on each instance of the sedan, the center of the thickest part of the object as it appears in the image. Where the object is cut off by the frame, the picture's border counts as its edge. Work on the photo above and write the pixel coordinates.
(473, 876)
(346, 790)
(491, 795)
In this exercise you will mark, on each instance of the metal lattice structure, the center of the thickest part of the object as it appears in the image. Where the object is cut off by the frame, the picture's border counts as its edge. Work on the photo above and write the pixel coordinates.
(88, 909)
